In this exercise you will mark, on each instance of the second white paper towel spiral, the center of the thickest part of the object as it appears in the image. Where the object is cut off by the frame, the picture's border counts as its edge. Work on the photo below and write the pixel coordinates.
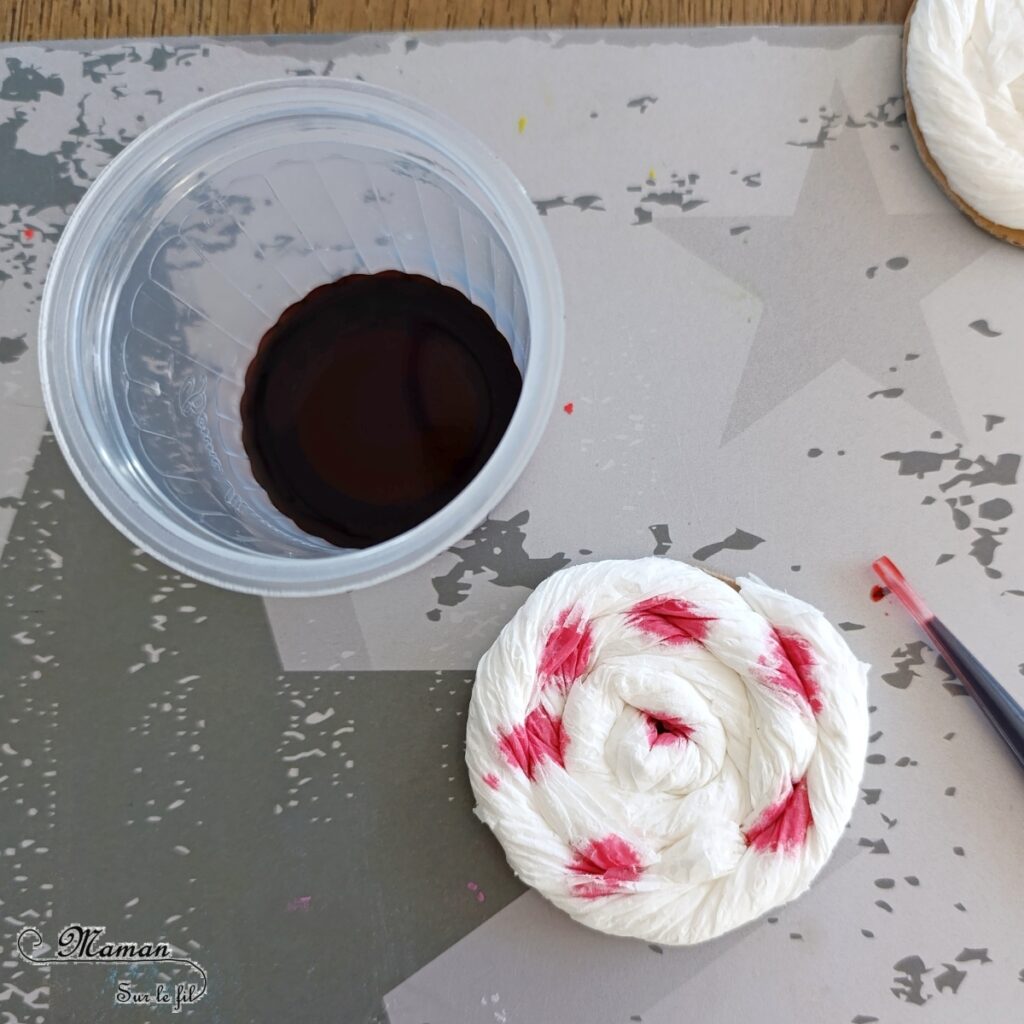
(661, 756)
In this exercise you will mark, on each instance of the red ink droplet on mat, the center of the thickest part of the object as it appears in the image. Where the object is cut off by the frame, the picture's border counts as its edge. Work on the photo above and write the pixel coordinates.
(567, 648)
(540, 738)
(784, 825)
(568, 407)
(877, 592)
(29, 234)
(610, 862)
(789, 663)
(664, 730)
(492, 780)
(675, 621)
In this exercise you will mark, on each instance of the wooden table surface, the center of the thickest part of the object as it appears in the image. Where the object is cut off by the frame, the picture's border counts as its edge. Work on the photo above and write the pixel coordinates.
(72, 19)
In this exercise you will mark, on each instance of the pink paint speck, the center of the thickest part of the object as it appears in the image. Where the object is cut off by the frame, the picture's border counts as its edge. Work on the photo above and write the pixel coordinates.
(477, 892)
(300, 903)
(789, 663)
(540, 738)
(492, 780)
(567, 650)
(784, 825)
(610, 863)
(664, 730)
(568, 408)
(675, 621)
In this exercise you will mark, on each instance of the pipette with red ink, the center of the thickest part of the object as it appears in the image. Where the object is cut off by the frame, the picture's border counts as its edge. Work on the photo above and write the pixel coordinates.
(1000, 708)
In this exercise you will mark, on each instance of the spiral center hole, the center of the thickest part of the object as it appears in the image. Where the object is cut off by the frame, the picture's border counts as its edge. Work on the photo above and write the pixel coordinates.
(664, 729)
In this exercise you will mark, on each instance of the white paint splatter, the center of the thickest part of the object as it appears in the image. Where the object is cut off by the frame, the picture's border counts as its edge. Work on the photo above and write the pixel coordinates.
(152, 653)
(316, 717)
(315, 752)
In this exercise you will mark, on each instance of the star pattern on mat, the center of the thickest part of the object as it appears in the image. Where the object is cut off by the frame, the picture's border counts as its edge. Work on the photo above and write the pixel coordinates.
(839, 241)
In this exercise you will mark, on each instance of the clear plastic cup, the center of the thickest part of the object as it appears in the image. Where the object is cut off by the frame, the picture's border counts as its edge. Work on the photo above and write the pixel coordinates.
(187, 249)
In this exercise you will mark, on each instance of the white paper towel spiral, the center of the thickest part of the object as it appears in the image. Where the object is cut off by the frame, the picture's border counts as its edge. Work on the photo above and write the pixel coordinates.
(661, 756)
(965, 75)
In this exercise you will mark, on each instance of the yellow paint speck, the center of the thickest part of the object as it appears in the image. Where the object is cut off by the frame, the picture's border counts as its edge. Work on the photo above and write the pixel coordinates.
(651, 174)
(521, 125)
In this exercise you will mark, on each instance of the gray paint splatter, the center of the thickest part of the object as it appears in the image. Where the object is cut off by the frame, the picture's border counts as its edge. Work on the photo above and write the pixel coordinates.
(909, 981)
(12, 349)
(995, 508)
(581, 203)
(642, 102)
(863, 1018)
(752, 180)
(25, 83)
(906, 659)
(897, 262)
(828, 120)
(29, 179)
(887, 393)
(642, 216)
(943, 558)
(918, 463)
(662, 539)
(1003, 472)
(497, 546)
(161, 57)
(950, 979)
(738, 540)
(968, 954)
(96, 69)
(982, 327)
(961, 520)
(887, 114)
(871, 796)
(674, 197)
(983, 548)
(875, 845)
(992, 420)
(849, 627)
(980, 471)
(739, 229)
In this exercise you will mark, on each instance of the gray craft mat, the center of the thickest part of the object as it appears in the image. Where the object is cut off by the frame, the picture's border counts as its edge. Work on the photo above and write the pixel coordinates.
(787, 354)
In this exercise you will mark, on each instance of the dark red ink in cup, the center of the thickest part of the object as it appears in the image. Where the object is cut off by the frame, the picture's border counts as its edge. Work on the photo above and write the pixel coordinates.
(373, 402)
